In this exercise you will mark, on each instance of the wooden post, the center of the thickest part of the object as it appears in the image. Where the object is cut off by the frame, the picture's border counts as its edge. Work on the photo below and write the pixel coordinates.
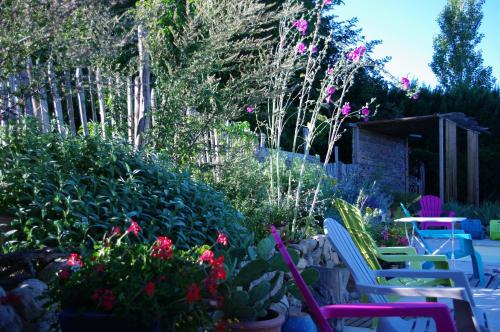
(44, 105)
(130, 110)
(153, 108)
(26, 92)
(112, 110)
(31, 82)
(81, 101)
(56, 98)
(441, 158)
(92, 103)
(69, 102)
(451, 161)
(13, 100)
(137, 104)
(472, 167)
(144, 73)
(3, 103)
(100, 99)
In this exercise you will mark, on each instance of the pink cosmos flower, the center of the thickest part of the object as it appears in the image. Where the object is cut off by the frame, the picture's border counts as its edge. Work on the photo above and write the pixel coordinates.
(405, 82)
(207, 256)
(222, 239)
(330, 90)
(329, 71)
(415, 96)
(356, 54)
(327, 2)
(250, 109)
(301, 26)
(313, 49)
(365, 111)
(346, 109)
(134, 227)
(301, 48)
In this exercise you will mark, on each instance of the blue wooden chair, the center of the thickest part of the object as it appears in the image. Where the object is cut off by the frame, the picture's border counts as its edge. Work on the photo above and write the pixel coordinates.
(474, 228)
(466, 248)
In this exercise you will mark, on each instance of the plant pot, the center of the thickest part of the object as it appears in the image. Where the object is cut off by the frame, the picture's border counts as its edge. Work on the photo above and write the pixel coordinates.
(299, 322)
(271, 323)
(72, 321)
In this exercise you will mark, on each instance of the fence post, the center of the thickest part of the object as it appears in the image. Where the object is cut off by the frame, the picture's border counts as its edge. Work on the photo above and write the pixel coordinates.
(130, 110)
(81, 101)
(92, 103)
(69, 102)
(44, 105)
(31, 81)
(100, 99)
(56, 100)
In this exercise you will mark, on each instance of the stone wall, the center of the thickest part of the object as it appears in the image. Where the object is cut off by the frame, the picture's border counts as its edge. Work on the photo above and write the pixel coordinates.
(382, 158)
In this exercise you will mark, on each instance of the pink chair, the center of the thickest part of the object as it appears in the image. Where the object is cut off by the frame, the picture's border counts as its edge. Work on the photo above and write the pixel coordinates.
(430, 206)
(437, 311)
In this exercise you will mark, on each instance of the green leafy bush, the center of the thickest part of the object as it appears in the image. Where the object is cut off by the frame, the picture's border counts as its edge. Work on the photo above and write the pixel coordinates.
(65, 191)
(485, 212)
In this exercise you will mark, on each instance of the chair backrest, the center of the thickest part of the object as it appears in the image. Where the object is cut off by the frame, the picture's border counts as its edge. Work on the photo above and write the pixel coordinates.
(341, 240)
(430, 206)
(353, 221)
(308, 297)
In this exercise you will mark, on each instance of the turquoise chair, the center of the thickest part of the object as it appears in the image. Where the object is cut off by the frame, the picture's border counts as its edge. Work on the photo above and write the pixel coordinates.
(465, 249)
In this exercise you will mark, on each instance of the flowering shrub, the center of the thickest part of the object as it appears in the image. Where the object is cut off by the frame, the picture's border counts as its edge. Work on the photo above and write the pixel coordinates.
(389, 234)
(144, 282)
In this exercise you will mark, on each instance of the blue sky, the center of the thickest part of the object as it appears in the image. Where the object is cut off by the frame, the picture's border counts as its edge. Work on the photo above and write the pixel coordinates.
(407, 28)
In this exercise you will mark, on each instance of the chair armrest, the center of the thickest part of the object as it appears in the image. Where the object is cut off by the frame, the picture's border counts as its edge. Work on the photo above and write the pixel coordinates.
(463, 236)
(397, 250)
(442, 260)
(456, 293)
(458, 277)
(437, 311)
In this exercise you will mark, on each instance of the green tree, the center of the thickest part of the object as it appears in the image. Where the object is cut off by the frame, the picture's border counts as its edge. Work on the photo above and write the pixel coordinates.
(456, 62)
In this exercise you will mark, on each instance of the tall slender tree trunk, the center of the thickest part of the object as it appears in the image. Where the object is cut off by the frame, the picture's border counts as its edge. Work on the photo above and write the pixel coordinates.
(137, 104)
(81, 101)
(13, 100)
(100, 99)
(69, 102)
(3, 103)
(56, 98)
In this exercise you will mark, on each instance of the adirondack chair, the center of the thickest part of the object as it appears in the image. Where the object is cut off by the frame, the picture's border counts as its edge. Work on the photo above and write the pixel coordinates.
(353, 221)
(465, 248)
(495, 229)
(468, 317)
(431, 206)
(439, 312)
(474, 228)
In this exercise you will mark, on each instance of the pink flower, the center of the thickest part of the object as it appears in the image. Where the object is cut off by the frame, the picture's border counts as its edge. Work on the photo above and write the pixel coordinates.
(328, 99)
(301, 26)
(365, 111)
(134, 227)
(250, 109)
(313, 49)
(222, 239)
(329, 71)
(356, 54)
(415, 96)
(346, 109)
(63, 274)
(385, 235)
(301, 48)
(330, 90)
(405, 82)
(327, 2)
(74, 260)
(150, 288)
(115, 231)
(207, 256)
(162, 248)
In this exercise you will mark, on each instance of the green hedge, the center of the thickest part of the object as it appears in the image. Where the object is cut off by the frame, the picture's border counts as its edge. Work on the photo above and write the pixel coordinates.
(63, 192)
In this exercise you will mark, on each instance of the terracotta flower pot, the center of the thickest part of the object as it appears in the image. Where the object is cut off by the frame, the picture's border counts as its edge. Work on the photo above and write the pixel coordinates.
(273, 324)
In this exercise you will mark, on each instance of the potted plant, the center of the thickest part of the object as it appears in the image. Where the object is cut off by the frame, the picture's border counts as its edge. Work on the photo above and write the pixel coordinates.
(130, 286)
(257, 278)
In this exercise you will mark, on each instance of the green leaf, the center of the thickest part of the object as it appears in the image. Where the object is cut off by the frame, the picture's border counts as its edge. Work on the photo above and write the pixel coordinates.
(265, 248)
(277, 263)
(310, 275)
(250, 272)
(259, 292)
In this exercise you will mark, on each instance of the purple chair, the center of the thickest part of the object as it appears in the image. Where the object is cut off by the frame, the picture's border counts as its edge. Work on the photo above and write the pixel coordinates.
(430, 206)
(437, 311)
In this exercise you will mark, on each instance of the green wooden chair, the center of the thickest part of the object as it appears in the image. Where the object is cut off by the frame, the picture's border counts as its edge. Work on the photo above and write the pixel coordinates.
(495, 229)
(353, 222)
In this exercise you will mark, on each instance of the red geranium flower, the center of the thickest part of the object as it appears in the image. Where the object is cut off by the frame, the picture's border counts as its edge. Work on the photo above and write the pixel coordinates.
(163, 248)
(115, 231)
(211, 284)
(74, 260)
(193, 293)
(221, 326)
(63, 274)
(219, 273)
(105, 298)
(207, 256)
(134, 227)
(222, 239)
(150, 288)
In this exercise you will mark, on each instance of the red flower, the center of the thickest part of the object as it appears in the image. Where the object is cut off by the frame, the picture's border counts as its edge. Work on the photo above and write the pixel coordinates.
(221, 326)
(63, 274)
(150, 288)
(219, 273)
(220, 301)
(222, 239)
(134, 227)
(115, 231)
(193, 293)
(217, 262)
(207, 256)
(163, 248)
(74, 260)
(105, 298)
(211, 284)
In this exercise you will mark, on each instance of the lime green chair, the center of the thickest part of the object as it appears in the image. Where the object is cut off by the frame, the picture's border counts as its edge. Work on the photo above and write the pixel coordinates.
(495, 229)
(353, 221)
